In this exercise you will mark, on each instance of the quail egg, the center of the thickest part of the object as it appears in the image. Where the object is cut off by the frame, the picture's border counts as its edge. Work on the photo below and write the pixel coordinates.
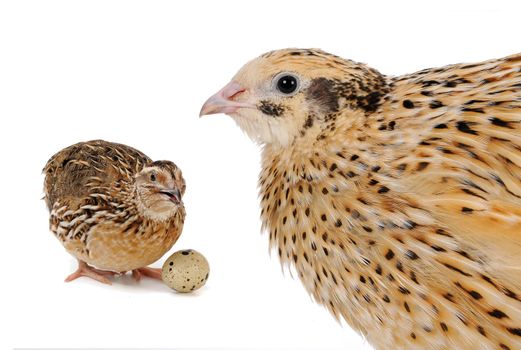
(185, 271)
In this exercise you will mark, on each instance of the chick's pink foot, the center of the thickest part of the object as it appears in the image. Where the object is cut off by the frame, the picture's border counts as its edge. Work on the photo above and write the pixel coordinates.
(85, 270)
(147, 272)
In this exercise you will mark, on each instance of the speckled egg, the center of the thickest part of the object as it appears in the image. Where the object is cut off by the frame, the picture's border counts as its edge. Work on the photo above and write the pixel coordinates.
(185, 271)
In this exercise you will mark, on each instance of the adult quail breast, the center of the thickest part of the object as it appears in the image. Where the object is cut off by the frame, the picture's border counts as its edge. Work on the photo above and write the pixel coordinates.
(113, 208)
(396, 199)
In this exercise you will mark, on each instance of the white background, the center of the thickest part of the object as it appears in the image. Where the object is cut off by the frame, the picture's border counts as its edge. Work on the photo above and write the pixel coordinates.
(137, 72)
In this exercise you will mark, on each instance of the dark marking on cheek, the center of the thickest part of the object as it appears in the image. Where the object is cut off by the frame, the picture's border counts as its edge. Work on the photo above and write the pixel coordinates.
(321, 91)
(364, 89)
(271, 109)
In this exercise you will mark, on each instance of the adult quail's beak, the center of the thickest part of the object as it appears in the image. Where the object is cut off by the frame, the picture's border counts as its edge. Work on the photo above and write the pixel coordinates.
(222, 102)
(174, 195)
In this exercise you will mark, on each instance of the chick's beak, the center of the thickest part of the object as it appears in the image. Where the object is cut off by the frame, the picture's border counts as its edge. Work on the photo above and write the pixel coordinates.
(222, 102)
(174, 195)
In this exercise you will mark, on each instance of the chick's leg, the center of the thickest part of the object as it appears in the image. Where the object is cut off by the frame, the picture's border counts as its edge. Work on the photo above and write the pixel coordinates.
(85, 270)
(148, 272)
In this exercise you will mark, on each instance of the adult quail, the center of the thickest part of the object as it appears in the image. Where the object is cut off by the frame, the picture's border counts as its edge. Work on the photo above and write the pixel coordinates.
(113, 208)
(396, 199)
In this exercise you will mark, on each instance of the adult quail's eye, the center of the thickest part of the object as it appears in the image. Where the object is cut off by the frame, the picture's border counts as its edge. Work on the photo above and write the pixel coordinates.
(287, 84)
(152, 177)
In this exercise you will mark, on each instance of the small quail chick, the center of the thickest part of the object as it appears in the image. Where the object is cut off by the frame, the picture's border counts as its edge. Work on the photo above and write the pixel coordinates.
(113, 208)
(396, 199)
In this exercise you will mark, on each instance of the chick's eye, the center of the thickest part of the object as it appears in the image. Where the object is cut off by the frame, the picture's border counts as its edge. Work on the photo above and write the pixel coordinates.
(287, 84)
(153, 177)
